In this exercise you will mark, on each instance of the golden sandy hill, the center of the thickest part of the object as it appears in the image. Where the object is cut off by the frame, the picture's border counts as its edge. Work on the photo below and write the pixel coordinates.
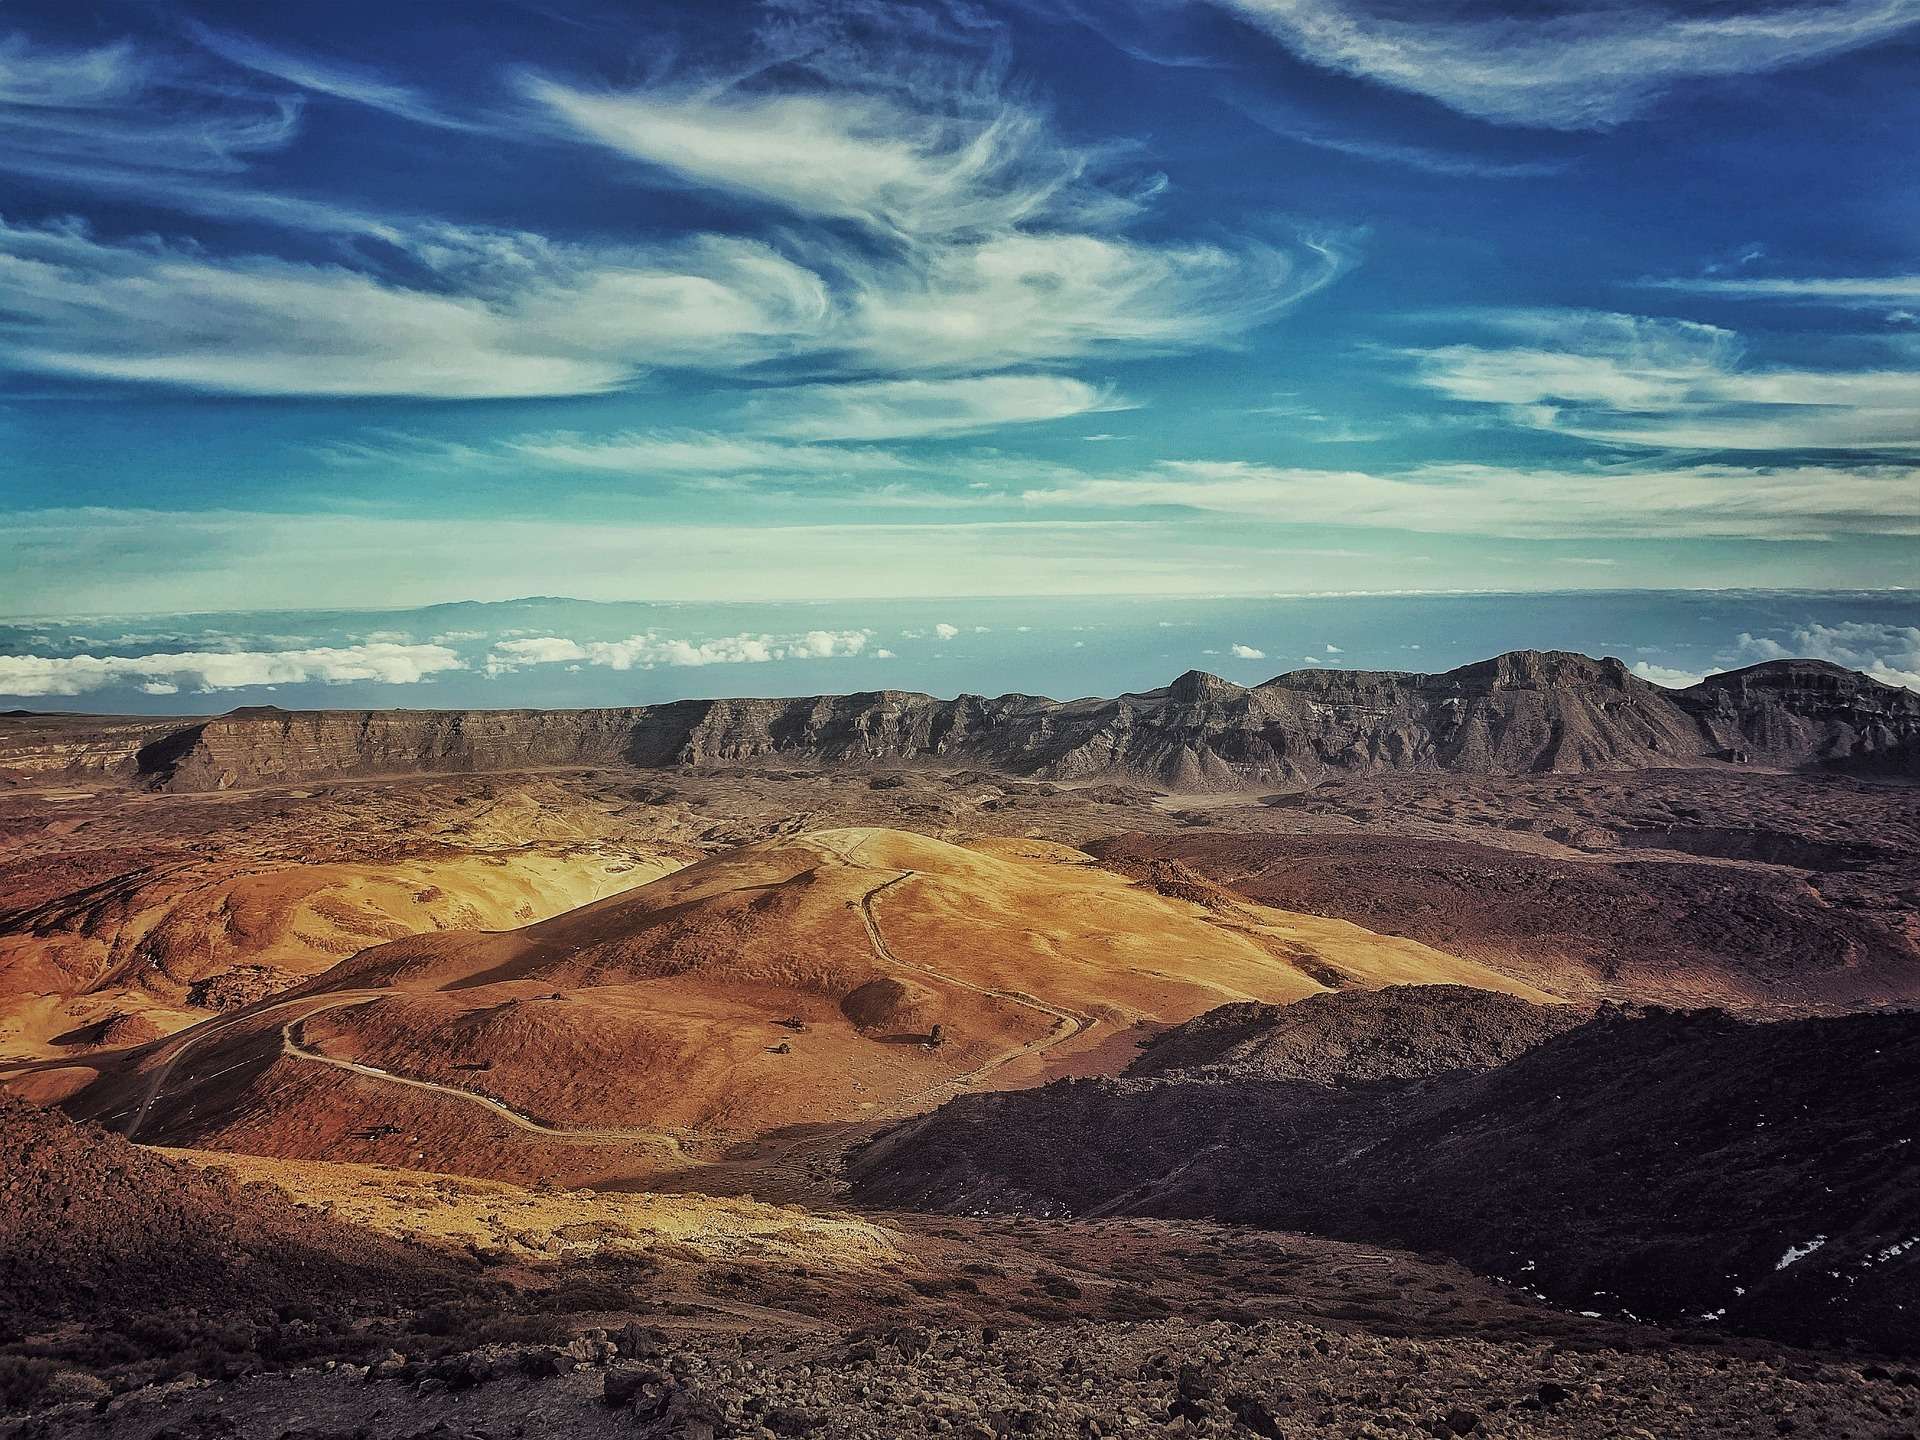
(181, 939)
(792, 983)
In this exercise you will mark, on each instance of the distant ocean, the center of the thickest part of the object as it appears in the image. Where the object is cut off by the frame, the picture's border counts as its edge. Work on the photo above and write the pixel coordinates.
(558, 652)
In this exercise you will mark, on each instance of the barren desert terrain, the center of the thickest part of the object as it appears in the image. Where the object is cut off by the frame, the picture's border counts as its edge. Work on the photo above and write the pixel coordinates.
(809, 1092)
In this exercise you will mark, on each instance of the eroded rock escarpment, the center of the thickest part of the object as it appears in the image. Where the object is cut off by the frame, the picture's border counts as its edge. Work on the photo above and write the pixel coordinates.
(1521, 713)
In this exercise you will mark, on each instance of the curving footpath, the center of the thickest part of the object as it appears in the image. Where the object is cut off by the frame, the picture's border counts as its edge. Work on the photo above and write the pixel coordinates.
(292, 1047)
(1067, 1024)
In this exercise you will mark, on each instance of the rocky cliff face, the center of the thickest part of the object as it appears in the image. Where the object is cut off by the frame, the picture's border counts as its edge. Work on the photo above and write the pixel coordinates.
(1520, 713)
(36, 748)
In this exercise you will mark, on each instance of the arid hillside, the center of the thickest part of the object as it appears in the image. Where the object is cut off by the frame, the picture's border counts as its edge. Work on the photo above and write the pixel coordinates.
(842, 976)
(1769, 894)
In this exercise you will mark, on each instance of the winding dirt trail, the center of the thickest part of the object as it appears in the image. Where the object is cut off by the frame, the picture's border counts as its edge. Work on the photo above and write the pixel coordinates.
(291, 1045)
(212, 1030)
(1067, 1024)
(845, 848)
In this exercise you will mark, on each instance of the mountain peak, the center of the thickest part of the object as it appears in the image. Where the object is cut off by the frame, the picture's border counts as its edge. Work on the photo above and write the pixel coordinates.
(1541, 669)
(1197, 686)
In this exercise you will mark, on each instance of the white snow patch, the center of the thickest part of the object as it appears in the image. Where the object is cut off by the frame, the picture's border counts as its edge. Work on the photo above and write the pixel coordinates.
(1797, 1253)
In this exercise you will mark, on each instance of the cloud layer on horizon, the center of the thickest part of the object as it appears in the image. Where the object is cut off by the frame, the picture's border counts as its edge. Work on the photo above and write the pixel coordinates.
(377, 663)
(644, 652)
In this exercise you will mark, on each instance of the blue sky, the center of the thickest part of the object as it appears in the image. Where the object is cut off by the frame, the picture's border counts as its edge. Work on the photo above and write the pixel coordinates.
(357, 306)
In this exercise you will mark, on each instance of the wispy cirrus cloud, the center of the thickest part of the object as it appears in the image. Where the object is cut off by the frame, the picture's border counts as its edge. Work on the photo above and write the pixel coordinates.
(900, 118)
(979, 163)
(697, 453)
(112, 111)
(512, 315)
(1777, 503)
(383, 663)
(1670, 383)
(888, 409)
(1846, 290)
(45, 77)
(993, 242)
(997, 241)
(1022, 297)
(172, 129)
(337, 78)
(1585, 65)
(1292, 125)
(806, 417)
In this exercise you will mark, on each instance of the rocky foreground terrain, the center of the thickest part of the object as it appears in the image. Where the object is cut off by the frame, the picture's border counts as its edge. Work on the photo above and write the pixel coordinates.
(1520, 713)
(143, 1296)
(1518, 1051)
(1668, 1165)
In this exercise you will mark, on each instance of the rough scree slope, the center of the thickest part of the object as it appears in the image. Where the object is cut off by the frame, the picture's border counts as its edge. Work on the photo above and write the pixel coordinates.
(1676, 1165)
(88, 1221)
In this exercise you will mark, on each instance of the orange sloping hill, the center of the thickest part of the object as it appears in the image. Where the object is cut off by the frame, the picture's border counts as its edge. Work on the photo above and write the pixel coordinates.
(783, 984)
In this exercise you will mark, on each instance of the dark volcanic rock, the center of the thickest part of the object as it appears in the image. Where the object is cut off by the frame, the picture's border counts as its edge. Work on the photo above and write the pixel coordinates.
(1404, 1032)
(1679, 1166)
(88, 1221)
(1802, 924)
(1525, 712)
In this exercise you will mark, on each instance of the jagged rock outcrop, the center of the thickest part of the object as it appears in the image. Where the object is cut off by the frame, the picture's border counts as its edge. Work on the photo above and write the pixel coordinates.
(1520, 713)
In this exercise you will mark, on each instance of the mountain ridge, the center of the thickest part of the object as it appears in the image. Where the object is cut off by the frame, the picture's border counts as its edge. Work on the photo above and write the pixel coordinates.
(1522, 712)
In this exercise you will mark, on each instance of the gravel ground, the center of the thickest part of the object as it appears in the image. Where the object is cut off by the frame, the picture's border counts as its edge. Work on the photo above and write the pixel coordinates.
(1081, 1380)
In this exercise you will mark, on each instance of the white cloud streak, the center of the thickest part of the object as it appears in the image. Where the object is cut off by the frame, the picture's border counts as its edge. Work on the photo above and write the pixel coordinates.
(1582, 66)
(652, 649)
(978, 163)
(1299, 129)
(519, 316)
(338, 79)
(1672, 383)
(671, 453)
(1771, 503)
(165, 674)
(1020, 297)
(1841, 290)
(515, 315)
(884, 409)
(987, 240)
(112, 111)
